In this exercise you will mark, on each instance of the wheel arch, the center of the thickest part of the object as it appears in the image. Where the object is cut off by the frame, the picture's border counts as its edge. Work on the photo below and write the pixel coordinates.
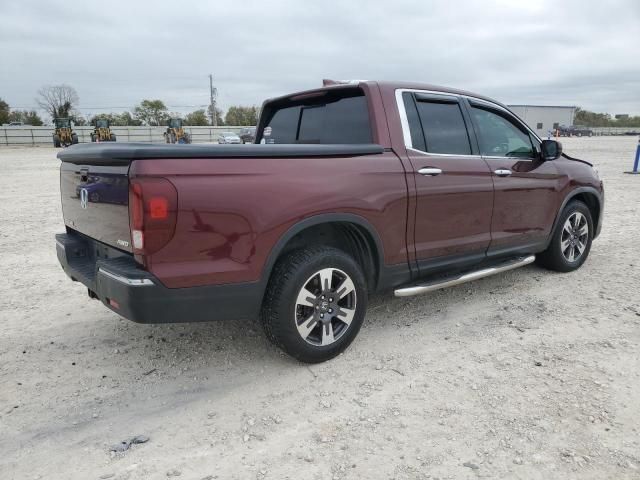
(362, 241)
(589, 196)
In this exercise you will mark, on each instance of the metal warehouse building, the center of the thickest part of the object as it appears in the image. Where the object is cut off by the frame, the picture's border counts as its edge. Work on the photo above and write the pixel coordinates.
(543, 118)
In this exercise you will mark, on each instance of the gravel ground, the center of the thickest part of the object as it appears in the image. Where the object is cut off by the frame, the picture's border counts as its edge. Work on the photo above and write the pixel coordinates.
(529, 374)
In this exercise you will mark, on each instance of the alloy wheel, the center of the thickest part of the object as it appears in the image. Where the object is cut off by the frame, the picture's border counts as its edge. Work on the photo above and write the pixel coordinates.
(574, 238)
(325, 307)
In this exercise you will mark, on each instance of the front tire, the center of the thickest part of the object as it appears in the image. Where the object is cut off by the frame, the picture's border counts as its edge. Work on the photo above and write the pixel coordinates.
(571, 241)
(315, 303)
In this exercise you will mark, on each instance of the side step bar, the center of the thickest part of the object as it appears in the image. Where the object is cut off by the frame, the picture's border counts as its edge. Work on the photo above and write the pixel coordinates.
(463, 278)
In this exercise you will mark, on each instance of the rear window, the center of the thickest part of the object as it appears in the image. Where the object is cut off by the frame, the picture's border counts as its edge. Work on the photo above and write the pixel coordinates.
(335, 117)
(437, 125)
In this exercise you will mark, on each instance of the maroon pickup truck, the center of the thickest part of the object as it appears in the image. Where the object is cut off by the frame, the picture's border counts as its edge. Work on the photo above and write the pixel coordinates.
(350, 189)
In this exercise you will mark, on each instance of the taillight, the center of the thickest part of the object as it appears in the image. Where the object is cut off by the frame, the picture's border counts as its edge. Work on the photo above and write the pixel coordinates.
(153, 212)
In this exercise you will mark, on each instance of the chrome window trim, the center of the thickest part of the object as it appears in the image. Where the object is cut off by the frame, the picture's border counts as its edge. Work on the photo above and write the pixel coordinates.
(443, 154)
(134, 282)
(404, 121)
(497, 157)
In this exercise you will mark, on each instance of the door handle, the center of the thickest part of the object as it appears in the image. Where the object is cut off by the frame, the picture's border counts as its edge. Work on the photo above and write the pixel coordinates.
(502, 172)
(430, 171)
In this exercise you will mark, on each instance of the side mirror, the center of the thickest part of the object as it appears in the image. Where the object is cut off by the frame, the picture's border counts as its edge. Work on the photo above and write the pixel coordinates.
(551, 150)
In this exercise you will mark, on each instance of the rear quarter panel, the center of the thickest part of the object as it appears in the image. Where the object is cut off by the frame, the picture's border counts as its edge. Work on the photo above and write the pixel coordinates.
(233, 211)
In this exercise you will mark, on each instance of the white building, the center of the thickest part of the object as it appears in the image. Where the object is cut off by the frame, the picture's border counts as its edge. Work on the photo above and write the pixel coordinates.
(544, 118)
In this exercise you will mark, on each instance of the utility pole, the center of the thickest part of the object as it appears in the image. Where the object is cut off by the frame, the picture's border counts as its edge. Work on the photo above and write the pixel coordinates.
(212, 93)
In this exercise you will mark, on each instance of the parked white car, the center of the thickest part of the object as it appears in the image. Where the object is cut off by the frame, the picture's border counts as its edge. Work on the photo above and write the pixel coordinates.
(229, 137)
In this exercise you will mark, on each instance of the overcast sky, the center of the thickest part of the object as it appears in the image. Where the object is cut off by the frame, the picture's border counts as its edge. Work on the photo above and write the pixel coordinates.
(115, 53)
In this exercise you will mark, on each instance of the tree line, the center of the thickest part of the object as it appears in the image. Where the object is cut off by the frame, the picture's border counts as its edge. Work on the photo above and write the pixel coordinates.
(592, 119)
(61, 101)
(27, 117)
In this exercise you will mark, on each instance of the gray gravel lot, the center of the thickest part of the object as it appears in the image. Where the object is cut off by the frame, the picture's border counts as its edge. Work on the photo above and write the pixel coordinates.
(530, 374)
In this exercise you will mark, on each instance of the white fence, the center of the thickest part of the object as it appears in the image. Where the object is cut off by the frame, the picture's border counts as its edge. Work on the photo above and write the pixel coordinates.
(25, 135)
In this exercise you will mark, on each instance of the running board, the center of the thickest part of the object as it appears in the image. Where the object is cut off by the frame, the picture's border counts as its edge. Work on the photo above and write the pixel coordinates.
(464, 277)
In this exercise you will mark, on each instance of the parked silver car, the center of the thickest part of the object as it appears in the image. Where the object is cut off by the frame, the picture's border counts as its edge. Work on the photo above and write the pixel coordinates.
(229, 137)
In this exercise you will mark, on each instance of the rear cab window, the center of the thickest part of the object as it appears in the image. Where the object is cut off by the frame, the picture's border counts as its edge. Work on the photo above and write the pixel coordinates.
(336, 116)
(437, 124)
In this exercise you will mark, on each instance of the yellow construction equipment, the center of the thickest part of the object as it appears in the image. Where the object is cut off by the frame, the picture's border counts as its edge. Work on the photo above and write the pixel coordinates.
(63, 136)
(175, 133)
(102, 132)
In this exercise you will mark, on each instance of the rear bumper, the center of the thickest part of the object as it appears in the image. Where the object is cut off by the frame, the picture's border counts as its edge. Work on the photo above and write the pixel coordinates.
(115, 279)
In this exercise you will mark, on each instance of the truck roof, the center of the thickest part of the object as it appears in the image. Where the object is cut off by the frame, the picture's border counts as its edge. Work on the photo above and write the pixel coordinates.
(385, 85)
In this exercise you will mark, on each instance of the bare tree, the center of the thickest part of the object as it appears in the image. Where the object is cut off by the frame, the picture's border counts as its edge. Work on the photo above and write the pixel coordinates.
(58, 100)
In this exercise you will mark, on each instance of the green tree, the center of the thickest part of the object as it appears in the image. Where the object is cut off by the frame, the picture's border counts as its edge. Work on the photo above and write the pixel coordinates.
(58, 100)
(26, 117)
(242, 116)
(198, 118)
(123, 119)
(78, 119)
(151, 112)
(4, 112)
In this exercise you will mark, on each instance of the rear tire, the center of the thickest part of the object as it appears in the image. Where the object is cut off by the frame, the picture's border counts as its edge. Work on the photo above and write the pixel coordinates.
(74, 139)
(315, 303)
(571, 240)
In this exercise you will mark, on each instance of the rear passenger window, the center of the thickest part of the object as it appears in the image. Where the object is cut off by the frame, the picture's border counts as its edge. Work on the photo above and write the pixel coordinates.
(444, 128)
(437, 126)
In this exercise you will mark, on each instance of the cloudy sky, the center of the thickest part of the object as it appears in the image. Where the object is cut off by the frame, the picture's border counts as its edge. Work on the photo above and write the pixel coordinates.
(115, 53)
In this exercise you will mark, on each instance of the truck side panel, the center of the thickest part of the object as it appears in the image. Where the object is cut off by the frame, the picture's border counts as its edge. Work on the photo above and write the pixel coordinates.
(232, 212)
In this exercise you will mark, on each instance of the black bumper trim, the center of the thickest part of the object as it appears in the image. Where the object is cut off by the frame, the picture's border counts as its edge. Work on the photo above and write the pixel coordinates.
(117, 281)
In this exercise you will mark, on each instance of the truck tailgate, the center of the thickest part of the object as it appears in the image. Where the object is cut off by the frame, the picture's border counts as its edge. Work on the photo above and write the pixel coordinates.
(95, 201)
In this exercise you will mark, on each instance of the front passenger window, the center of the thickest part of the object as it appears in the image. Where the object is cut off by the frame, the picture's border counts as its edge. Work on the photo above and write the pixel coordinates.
(499, 137)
